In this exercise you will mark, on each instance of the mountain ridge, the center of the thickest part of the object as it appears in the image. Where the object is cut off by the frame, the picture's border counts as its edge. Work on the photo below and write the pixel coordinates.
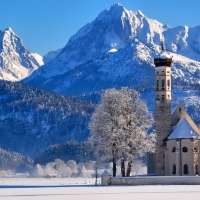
(111, 31)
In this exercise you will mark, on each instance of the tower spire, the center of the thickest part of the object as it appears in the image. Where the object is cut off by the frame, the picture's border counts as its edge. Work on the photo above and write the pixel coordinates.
(162, 43)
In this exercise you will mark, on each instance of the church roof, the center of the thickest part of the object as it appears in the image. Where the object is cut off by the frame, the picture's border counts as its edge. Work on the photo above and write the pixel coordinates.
(184, 130)
(178, 113)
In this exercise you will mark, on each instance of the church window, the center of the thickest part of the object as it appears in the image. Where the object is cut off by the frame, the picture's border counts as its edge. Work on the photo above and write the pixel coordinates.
(185, 149)
(185, 169)
(196, 169)
(174, 169)
(168, 83)
(174, 149)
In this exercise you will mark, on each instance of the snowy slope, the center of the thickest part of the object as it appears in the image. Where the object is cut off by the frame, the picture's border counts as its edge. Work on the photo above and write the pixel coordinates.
(51, 55)
(16, 62)
(32, 119)
(183, 40)
(112, 29)
(117, 49)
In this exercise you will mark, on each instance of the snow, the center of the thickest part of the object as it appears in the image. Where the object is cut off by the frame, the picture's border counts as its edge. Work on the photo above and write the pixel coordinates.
(91, 192)
(112, 50)
(183, 130)
(164, 55)
(16, 62)
(39, 58)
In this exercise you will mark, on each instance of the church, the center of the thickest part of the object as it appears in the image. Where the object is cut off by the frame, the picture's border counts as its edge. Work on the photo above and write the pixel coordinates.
(178, 138)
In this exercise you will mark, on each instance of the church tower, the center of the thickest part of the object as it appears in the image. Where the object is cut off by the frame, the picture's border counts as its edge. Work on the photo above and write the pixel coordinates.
(162, 107)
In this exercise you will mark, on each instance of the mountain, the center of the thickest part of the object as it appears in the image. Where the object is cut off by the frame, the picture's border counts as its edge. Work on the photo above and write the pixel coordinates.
(16, 62)
(50, 55)
(110, 31)
(117, 49)
(32, 119)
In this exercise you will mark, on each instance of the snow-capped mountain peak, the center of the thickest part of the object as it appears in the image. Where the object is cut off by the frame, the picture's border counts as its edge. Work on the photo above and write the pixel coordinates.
(118, 48)
(16, 62)
(112, 29)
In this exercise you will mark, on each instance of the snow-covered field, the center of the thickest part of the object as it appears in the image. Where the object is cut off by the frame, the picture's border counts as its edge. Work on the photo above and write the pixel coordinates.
(62, 189)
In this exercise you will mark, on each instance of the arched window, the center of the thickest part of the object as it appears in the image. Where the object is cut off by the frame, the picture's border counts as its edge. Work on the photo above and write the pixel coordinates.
(196, 169)
(168, 83)
(185, 169)
(173, 169)
(184, 149)
(174, 149)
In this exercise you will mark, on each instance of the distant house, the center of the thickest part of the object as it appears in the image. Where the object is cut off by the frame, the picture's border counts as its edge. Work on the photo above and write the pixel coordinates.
(51, 176)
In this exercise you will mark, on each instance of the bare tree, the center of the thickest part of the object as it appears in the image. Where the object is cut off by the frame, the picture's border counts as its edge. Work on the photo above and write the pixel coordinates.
(119, 127)
(96, 167)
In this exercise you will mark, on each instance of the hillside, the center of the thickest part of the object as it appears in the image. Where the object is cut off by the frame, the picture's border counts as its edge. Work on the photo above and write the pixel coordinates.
(32, 119)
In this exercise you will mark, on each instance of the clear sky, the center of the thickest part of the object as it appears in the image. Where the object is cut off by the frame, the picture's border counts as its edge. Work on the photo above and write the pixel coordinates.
(46, 25)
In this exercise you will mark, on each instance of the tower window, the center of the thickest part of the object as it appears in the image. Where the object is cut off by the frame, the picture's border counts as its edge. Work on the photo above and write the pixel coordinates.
(196, 169)
(173, 169)
(162, 72)
(184, 149)
(163, 96)
(195, 149)
(163, 83)
(174, 149)
(179, 109)
(185, 169)
(168, 83)
(157, 72)
(157, 83)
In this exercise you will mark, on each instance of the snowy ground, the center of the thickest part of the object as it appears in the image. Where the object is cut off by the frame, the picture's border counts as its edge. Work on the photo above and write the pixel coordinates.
(60, 190)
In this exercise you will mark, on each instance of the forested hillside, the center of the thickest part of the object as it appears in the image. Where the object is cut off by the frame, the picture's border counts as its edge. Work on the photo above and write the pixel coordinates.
(32, 119)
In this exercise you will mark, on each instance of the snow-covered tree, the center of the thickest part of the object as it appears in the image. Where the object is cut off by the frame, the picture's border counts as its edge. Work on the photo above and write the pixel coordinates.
(72, 165)
(83, 172)
(38, 171)
(119, 127)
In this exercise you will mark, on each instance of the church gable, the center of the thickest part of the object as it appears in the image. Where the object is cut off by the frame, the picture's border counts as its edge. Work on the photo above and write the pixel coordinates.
(183, 130)
(180, 113)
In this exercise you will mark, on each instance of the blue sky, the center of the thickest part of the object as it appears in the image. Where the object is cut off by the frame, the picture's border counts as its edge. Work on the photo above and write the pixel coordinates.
(46, 25)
